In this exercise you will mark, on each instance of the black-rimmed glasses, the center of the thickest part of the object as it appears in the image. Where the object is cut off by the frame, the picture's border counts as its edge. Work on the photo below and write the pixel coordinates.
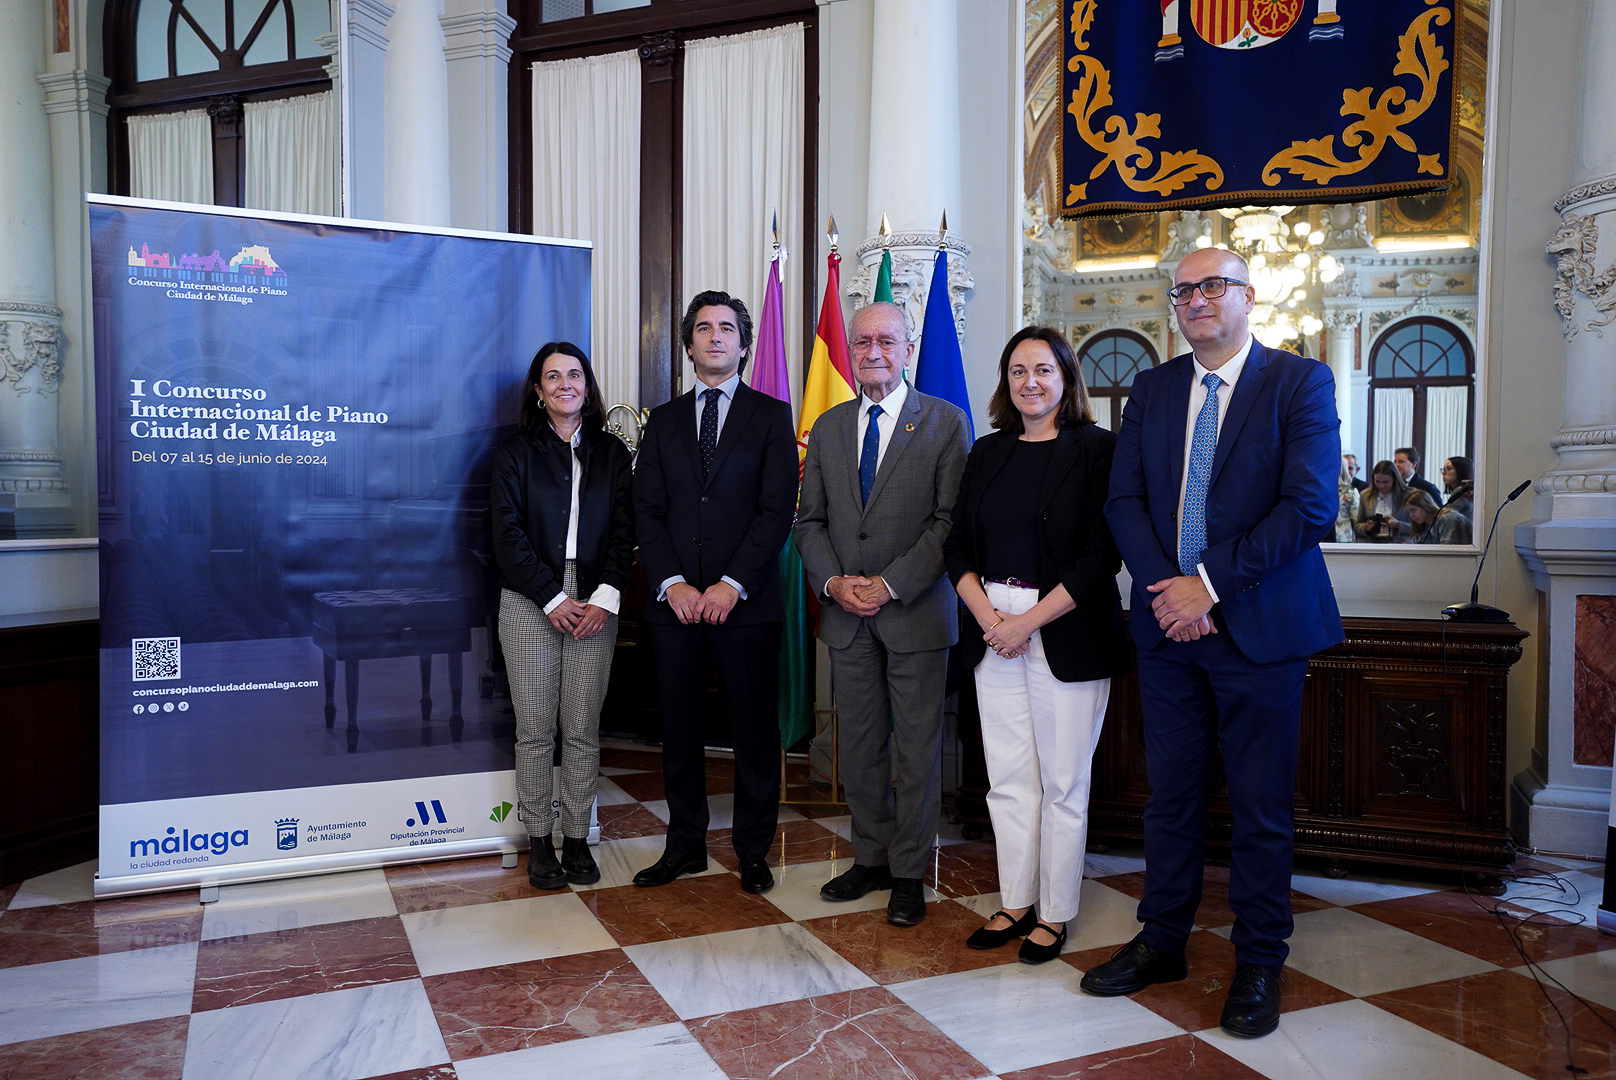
(1211, 288)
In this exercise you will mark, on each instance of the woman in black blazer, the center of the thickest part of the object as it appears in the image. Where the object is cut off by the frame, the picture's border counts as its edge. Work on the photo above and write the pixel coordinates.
(563, 515)
(1033, 561)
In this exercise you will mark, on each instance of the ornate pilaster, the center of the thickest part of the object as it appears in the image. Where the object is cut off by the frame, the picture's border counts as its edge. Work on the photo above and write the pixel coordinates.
(417, 181)
(913, 255)
(475, 37)
(1341, 349)
(1563, 800)
(366, 121)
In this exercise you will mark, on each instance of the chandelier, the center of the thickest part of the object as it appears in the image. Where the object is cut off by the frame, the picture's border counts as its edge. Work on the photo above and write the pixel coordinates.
(1289, 266)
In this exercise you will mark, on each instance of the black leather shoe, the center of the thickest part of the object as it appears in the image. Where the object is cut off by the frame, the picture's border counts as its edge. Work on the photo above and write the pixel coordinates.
(755, 875)
(907, 904)
(1133, 967)
(855, 882)
(1253, 1006)
(992, 939)
(670, 866)
(1034, 953)
(543, 872)
(578, 862)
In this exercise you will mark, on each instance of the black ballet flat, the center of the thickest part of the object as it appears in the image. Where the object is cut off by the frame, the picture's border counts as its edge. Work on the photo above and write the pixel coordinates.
(1037, 954)
(992, 939)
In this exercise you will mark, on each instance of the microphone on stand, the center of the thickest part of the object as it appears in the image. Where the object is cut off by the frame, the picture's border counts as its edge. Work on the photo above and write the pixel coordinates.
(1486, 613)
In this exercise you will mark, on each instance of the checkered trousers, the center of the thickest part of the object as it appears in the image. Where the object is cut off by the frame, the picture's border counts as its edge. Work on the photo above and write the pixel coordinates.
(555, 678)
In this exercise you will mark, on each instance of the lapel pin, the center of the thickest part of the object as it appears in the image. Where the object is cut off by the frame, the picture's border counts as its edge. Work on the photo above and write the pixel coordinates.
(908, 427)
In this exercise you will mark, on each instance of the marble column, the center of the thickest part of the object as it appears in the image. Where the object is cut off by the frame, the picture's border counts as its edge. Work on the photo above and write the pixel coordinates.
(1342, 350)
(1562, 801)
(914, 172)
(34, 495)
(417, 181)
(364, 95)
(476, 35)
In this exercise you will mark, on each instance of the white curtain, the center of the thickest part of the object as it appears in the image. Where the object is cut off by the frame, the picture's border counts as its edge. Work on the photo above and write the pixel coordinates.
(292, 154)
(1394, 422)
(743, 135)
(171, 157)
(1447, 415)
(586, 186)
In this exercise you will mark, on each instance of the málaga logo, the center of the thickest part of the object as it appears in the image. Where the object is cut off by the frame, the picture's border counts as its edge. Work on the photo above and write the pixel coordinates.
(247, 275)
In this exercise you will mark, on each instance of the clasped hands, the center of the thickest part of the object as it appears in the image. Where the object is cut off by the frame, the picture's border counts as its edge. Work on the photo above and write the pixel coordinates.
(579, 620)
(1182, 607)
(692, 605)
(1008, 635)
(861, 596)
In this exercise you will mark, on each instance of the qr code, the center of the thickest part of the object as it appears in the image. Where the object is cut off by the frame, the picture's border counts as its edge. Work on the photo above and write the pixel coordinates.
(156, 658)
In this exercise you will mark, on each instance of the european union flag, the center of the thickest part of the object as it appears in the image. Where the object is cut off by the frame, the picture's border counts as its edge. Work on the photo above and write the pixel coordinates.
(940, 369)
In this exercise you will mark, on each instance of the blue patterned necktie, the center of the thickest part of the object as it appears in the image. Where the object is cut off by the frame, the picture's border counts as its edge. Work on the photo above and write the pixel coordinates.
(1192, 537)
(871, 452)
(709, 428)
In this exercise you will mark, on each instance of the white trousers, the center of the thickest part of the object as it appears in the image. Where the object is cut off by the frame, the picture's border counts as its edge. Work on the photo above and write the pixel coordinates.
(1038, 735)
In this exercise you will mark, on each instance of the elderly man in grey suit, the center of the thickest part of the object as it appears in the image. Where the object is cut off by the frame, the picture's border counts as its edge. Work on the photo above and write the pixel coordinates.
(878, 492)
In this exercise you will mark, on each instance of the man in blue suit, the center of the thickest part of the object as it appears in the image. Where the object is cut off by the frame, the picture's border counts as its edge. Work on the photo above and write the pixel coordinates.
(1223, 485)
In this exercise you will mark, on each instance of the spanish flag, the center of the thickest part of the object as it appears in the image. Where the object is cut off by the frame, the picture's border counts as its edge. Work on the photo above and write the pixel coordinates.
(830, 374)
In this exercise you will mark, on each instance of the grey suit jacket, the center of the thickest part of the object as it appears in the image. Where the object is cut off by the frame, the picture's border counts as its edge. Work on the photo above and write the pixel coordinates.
(899, 535)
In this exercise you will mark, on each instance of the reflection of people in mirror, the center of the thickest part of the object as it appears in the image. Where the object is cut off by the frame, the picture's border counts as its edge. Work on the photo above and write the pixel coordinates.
(1429, 525)
(1382, 518)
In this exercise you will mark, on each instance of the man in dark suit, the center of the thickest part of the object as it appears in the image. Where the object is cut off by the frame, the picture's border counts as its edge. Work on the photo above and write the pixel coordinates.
(1351, 461)
(1406, 460)
(714, 492)
(1223, 485)
(878, 493)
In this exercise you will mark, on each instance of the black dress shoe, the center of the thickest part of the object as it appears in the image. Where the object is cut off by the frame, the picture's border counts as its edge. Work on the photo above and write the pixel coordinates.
(992, 939)
(1133, 967)
(755, 875)
(670, 866)
(543, 872)
(578, 862)
(1034, 953)
(1253, 1006)
(855, 882)
(907, 904)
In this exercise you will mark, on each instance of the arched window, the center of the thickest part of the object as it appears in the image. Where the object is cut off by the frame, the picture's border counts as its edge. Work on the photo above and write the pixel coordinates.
(1110, 360)
(1422, 392)
(194, 84)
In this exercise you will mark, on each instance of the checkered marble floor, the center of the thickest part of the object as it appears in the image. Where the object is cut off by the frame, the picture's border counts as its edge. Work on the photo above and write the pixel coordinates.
(460, 969)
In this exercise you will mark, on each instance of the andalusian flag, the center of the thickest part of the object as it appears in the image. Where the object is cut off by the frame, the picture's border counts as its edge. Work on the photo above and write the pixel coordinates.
(883, 280)
(770, 375)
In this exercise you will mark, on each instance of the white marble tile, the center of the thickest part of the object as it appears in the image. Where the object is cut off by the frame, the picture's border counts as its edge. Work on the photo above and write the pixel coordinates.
(484, 935)
(1570, 896)
(840, 824)
(609, 794)
(262, 906)
(1591, 975)
(1017, 1016)
(607, 770)
(362, 1031)
(1569, 862)
(1353, 1040)
(1115, 861)
(59, 887)
(41, 1000)
(796, 891)
(1357, 889)
(620, 860)
(743, 969)
(667, 1051)
(1364, 956)
(789, 814)
(950, 832)
(658, 809)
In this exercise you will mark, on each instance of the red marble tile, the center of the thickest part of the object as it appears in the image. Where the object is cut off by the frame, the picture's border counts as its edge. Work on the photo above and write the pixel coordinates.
(686, 907)
(1182, 1055)
(1505, 1016)
(618, 757)
(149, 1050)
(890, 954)
(645, 787)
(515, 1006)
(810, 800)
(1466, 922)
(434, 1072)
(795, 843)
(1214, 910)
(1196, 1002)
(39, 935)
(306, 960)
(7, 892)
(623, 820)
(458, 882)
(967, 869)
(1593, 681)
(868, 1034)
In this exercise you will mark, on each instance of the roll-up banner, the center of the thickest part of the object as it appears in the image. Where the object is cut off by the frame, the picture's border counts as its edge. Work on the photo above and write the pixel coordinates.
(295, 417)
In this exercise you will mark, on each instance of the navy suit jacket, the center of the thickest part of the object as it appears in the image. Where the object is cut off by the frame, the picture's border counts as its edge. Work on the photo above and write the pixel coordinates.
(1272, 498)
(733, 522)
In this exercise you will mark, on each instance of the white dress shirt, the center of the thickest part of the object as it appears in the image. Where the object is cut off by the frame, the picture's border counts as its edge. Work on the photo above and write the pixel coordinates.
(1230, 374)
(726, 395)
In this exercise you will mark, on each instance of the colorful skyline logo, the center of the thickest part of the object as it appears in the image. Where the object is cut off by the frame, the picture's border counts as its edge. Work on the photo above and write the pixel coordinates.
(252, 264)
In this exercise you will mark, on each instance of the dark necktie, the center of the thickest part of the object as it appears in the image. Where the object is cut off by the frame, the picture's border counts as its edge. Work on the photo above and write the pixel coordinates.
(709, 429)
(1192, 537)
(870, 454)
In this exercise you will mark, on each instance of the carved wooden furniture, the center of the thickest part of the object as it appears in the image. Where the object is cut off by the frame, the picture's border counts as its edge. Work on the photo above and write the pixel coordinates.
(1402, 752)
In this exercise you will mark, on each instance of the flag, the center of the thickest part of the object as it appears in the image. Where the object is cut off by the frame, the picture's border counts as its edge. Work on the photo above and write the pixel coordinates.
(830, 373)
(883, 280)
(770, 375)
(940, 369)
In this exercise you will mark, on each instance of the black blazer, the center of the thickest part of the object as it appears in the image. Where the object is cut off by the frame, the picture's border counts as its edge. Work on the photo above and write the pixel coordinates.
(532, 499)
(1074, 549)
(735, 522)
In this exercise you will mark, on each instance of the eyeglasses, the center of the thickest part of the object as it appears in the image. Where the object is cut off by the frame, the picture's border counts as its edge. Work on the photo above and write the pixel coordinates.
(885, 343)
(1211, 288)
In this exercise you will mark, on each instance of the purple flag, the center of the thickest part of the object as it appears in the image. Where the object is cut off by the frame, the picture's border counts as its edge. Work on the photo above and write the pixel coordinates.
(769, 372)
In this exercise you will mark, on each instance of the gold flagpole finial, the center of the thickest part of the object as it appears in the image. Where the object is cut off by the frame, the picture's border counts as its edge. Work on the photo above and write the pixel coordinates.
(831, 233)
(942, 230)
(886, 229)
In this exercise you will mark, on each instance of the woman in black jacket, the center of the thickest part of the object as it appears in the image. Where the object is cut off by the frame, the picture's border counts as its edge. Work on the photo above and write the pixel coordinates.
(1033, 561)
(564, 541)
